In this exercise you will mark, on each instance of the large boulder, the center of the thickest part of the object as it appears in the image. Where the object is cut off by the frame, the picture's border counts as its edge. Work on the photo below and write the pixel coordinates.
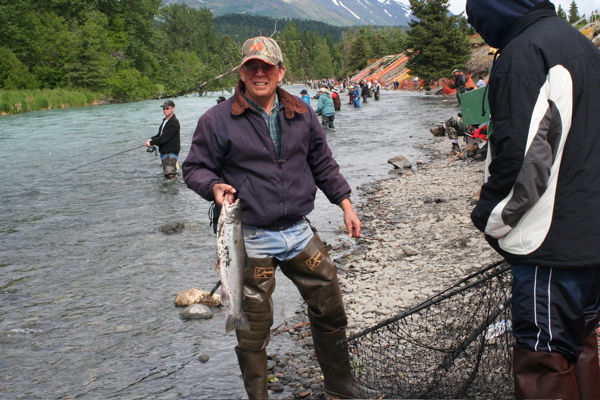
(197, 296)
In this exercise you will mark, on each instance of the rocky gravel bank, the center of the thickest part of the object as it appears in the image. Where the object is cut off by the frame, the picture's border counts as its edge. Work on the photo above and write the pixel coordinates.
(417, 238)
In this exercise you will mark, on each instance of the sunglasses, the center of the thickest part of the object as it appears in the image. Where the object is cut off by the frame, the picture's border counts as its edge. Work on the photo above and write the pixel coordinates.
(167, 108)
(253, 68)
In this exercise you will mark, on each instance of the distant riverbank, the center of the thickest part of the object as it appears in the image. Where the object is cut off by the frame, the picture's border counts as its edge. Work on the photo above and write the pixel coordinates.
(22, 101)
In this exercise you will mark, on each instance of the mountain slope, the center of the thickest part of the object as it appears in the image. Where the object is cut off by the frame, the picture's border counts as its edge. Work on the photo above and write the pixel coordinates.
(333, 12)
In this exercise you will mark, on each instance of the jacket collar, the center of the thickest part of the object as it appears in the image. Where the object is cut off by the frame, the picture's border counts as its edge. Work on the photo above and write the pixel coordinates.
(290, 103)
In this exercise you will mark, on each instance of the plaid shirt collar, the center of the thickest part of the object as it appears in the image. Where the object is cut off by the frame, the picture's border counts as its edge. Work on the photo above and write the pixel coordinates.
(272, 121)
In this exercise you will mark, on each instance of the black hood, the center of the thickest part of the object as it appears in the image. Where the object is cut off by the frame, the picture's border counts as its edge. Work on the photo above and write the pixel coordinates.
(493, 19)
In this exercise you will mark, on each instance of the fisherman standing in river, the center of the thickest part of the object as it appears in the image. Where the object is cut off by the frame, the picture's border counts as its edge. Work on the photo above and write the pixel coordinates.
(268, 148)
(168, 140)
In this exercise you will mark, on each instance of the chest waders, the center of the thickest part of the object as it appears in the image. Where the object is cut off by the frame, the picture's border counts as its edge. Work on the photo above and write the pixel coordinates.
(314, 274)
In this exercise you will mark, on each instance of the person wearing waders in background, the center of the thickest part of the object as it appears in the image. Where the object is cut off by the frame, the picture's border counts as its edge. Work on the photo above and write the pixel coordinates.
(167, 140)
(268, 148)
(539, 204)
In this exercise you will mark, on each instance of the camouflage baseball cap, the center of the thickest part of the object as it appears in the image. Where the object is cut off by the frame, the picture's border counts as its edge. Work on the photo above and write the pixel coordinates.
(262, 48)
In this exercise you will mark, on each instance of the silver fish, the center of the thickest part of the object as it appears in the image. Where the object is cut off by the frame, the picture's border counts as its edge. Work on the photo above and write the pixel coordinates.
(232, 261)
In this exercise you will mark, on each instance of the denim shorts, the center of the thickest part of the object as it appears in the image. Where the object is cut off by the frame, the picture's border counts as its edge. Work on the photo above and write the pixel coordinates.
(283, 244)
(172, 155)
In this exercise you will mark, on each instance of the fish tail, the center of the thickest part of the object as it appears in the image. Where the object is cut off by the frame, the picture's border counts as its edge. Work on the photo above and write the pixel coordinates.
(240, 322)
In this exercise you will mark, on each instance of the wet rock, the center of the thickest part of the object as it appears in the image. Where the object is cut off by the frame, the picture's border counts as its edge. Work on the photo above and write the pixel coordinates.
(197, 311)
(203, 358)
(171, 227)
(276, 387)
(303, 393)
(400, 162)
(197, 296)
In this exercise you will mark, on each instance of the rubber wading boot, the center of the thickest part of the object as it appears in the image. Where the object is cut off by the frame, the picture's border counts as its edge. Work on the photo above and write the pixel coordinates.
(259, 283)
(253, 365)
(543, 375)
(587, 369)
(335, 365)
(315, 275)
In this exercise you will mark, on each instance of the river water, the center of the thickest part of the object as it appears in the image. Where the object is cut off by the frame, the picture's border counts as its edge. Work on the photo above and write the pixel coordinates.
(87, 281)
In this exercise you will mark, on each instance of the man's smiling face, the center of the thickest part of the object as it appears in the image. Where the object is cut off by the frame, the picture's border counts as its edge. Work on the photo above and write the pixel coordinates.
(261, 80)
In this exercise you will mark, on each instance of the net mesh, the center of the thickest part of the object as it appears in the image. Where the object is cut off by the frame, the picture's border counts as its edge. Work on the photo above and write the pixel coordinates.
(455, 344)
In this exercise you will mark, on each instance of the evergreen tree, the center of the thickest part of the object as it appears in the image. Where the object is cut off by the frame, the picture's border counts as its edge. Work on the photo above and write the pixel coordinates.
(291, 47)
(194, 54)
(187, 28)
(306, 53)
(13, 73)
(561, 13)
(90, 65)
(322, 61)
(379, 45)
(343, 48)
(397, 40)
(573, 13)
(360, 51)
(438, 42)
(138, 18)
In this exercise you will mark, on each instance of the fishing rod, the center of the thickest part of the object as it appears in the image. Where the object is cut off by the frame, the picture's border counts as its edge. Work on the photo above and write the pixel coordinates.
(153, 148)
(84, 165)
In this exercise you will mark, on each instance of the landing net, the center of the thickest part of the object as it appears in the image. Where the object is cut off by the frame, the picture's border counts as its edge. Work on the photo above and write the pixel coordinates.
(455, 344)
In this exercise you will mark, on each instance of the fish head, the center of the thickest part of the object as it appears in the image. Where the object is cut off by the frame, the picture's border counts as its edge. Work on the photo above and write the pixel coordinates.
(232, 212)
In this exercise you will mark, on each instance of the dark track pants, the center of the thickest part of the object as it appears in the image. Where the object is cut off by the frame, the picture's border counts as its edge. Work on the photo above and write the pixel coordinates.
(554, 310)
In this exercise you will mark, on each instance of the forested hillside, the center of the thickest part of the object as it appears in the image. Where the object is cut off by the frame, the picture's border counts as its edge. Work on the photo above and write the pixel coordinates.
(242, 26)
(134, 49)
(128, 50)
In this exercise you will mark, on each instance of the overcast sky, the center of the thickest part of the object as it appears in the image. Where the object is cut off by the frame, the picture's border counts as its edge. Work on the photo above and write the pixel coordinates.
(584, 6)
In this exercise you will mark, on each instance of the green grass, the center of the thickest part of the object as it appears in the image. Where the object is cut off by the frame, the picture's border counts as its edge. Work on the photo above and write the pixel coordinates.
(21, 101)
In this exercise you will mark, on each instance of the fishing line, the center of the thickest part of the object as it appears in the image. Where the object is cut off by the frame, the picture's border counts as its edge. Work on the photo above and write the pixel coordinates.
(84, 165)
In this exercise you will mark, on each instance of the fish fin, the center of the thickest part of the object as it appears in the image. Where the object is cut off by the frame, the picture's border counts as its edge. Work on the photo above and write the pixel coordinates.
(237, 323)
(242, 323)
(229, 324)
(217, 265)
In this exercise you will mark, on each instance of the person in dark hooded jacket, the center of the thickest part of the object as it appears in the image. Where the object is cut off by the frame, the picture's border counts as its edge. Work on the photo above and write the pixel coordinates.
(539, 203)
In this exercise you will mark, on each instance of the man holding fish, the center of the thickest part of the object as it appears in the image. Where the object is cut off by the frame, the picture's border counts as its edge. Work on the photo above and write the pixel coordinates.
(266, 152)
